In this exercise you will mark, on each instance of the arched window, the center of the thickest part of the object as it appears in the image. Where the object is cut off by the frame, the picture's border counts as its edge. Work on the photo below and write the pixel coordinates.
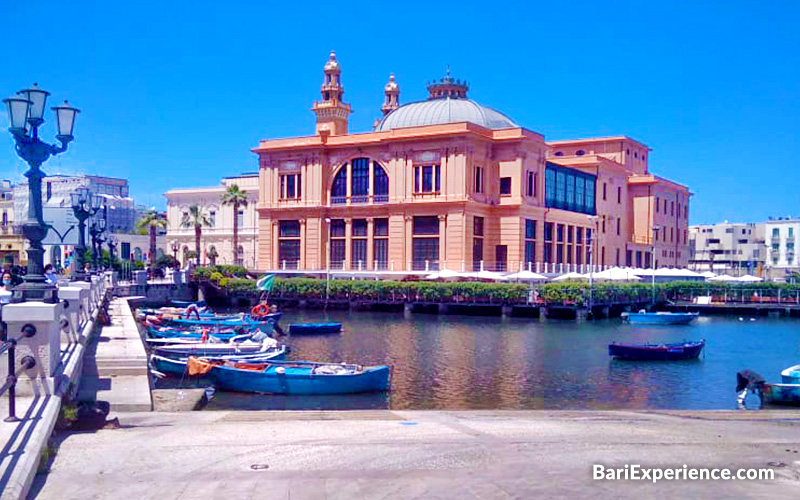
(381, 181)
(339, 189)
(359, 176)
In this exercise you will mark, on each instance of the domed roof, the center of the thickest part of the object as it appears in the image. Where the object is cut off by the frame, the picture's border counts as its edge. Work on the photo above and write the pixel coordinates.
(447, 110)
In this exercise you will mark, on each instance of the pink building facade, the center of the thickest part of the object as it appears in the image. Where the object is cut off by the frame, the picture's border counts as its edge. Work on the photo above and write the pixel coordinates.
(447, 183)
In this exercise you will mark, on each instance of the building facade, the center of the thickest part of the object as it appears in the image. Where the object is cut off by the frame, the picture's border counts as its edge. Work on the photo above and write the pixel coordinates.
(11, 242)
(781, 238)
(217, 239)
(447, 183)
(728, 248)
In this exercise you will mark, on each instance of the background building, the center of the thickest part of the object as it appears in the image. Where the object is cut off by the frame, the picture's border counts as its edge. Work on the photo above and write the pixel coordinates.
(11, 243)
(781, 235)
(449, 183)
(728, 248)
(219, 236)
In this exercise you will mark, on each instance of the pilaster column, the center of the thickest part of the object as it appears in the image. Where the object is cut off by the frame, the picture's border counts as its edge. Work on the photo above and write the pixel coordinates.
(274, 253)
(370, 249)
(302, 263)
(408, 245)
(370, 188)
(349, 181)
(348, 238)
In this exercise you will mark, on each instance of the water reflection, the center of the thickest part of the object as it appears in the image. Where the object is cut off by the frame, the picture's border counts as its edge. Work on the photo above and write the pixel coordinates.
(457, 362)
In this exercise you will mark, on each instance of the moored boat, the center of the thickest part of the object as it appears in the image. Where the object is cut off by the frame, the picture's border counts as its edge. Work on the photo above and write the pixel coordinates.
(245, 319)
(782, 394)
(216, 349)
(312, 328)
(791, 375)
(657, 352)
(177, 365)
(292, 377)
(660, 318)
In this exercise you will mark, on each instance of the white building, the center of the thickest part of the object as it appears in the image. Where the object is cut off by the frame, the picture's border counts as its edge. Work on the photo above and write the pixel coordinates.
(782, 234)
(219, 237)
(727, 248)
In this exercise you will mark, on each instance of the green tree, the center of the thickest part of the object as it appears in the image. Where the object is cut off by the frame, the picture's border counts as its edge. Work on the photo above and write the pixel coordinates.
(237, 198)
(152, 221)
(197, 219)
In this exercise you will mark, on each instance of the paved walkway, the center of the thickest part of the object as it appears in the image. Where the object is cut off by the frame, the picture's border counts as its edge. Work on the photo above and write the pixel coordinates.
(419, 454)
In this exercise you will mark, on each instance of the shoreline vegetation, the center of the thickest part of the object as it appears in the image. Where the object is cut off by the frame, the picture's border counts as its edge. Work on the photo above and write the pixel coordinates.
(234, 281)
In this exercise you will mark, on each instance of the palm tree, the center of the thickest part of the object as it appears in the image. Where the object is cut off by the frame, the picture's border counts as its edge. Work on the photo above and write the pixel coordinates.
(238, 198)
(197, 219)
(152, 221)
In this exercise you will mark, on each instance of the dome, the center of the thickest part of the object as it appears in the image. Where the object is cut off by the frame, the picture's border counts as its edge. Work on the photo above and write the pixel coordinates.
(440, 111)
(332, 64)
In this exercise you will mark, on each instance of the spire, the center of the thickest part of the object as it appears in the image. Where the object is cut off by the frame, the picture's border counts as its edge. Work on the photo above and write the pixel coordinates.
(447, 87)
(392, 99)
(331, 111)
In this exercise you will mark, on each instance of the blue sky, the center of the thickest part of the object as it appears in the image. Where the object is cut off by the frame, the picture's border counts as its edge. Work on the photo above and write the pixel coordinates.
(175, 94)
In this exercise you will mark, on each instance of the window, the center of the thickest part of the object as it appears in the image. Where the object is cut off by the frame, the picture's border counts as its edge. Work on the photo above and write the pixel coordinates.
(619, 196)
(656, 204)
(426, 225)
(289, 244)
(212, 218)
(604, 225)
(501, 257)
(338, 241)
(290, 186)
(125, 250)
(531, 184)
(477, 226)
(775, 232)
(530, 243)
(580, 152)
(438, 169)
(381, 184)
(359, 189)
(240, 218)
(569, 189)
(478, 179)
(665, 206)
(425, 250)
(604, 191)
(477, 253)
(617, 260)
(49, 189)
(618, 226)
(548, 242)
(424, 179)
(339, 189)
(729, 230)
(380, 243)
(672, 208)
(505, 185)
(358, 255)
(359, 183)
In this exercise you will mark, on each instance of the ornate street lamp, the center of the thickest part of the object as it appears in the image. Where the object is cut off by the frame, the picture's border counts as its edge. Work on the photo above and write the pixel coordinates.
(25, 115)
(84, 205)
(111, 241)
(97, 229)
(175, 250)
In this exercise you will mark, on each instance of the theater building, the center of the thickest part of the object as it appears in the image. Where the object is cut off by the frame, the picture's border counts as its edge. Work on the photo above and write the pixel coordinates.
(447, 183)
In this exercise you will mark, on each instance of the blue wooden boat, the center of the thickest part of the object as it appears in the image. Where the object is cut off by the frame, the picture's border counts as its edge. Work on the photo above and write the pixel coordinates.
(292, 377)
(167, 333)
(187, 303)
(312, 328)
(660, 318)
(177, 365)
(239, 320)
(657, 352)
(782, 394)
(791, 375)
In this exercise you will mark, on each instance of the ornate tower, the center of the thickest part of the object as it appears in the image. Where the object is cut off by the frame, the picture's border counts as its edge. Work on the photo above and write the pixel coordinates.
(331, 111)
(392, 100)
(447, 87)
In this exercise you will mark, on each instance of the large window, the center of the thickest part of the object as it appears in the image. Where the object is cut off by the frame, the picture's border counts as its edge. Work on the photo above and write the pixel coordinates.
(338, 242)
(290, 186)
(427, 179)
(531, 184)
(359, 244)
(289, 244)
(359, 175)
(505, 185)
(477, 243)
(548, 242)
(530, 240)
(569, 189)
(478, 179)
(425, 247)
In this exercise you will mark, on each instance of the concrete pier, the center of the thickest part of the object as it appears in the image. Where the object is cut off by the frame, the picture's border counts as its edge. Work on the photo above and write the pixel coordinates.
(420, 454)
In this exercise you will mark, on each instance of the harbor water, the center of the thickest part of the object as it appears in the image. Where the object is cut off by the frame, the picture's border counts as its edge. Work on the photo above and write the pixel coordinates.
(469, 362)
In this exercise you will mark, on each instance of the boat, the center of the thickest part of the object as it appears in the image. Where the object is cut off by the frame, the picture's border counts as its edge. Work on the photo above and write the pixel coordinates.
(791, 375)
(311, 328)
(173, 333)
(660, 318)
(186, 303)
(184, 350)
(244, 319)
(657, 352)
(292, 377)
(177, 365)
(782, 394)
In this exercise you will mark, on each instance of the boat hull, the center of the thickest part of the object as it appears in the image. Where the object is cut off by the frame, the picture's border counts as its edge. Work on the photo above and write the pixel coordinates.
(299, 382)
(656, 352)
(314, 328)
(661, 318)
(782, 394)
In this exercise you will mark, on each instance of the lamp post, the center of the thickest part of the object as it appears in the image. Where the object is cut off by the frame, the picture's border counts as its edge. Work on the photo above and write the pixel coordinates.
(25, 116)
(84, 205)
(656, 228)
(112, 244)
(175, 250)
(594, 219)
(97, 229)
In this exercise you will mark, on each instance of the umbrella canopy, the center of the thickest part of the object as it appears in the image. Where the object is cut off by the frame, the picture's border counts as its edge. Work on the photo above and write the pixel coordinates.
(443, 274)
(525, 275)
(572, 276)
(708, 274)
(617, 274)
(485, 275)
(724, 277)
(749, 279)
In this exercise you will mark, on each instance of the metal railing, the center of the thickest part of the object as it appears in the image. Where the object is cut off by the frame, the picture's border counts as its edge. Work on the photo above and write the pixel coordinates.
(8, 346)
